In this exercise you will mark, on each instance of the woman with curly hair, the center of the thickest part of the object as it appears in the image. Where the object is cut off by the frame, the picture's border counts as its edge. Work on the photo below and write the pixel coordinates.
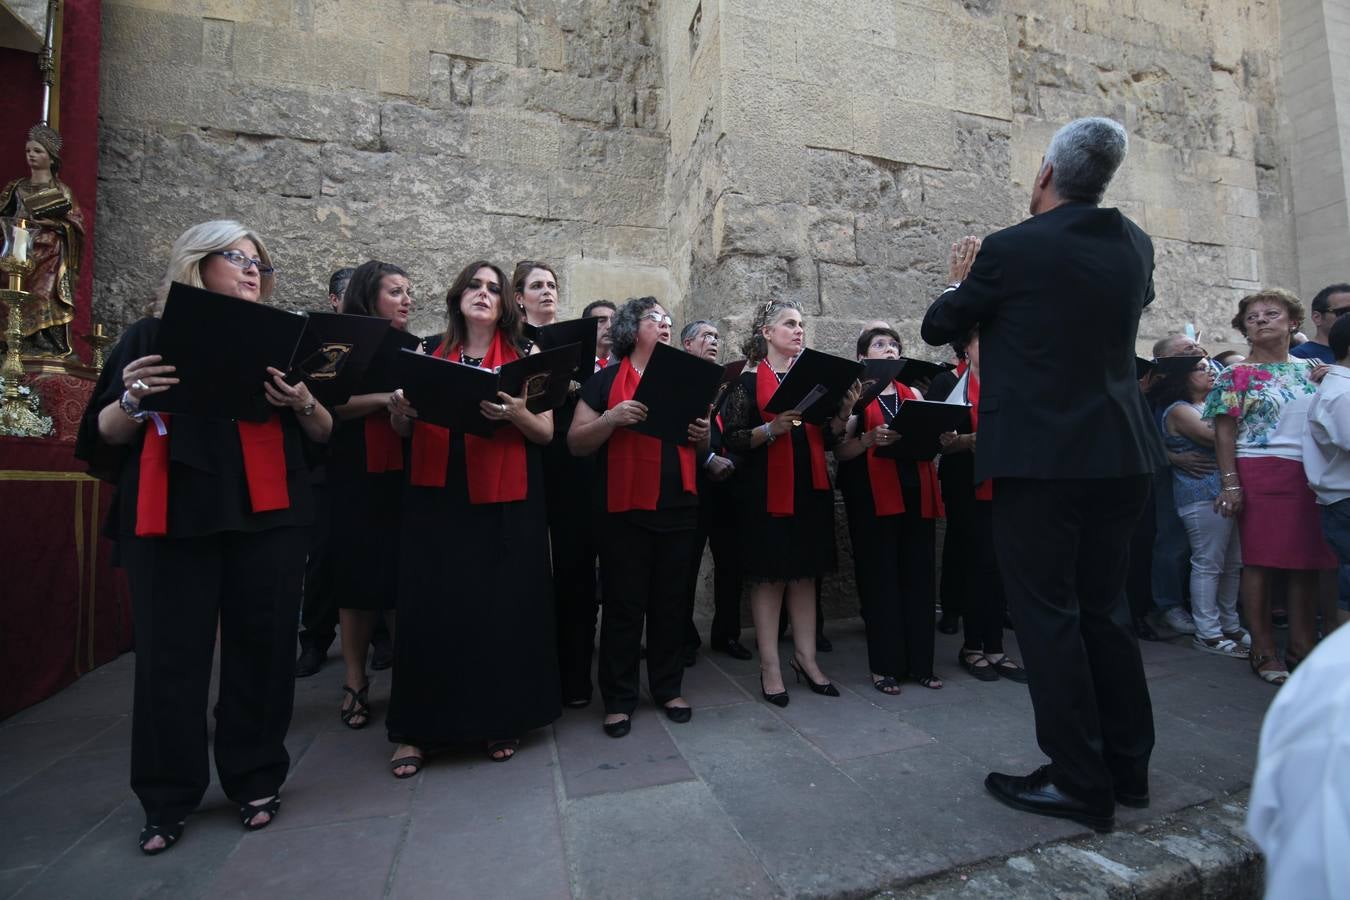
(1260, 408)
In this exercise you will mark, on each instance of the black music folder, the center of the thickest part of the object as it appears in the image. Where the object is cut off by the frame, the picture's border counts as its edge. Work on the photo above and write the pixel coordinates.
(543, 377)
(573, 331)
(677, 388)
(334, 353)
(919, 422)
(449, 393)
(876, 377)
(381, 375)
(221, 347)
(913, 371)
(814, 385)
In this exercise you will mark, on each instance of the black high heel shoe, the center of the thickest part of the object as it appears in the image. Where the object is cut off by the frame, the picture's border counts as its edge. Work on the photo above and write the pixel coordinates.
(779, 699)
(826, 690)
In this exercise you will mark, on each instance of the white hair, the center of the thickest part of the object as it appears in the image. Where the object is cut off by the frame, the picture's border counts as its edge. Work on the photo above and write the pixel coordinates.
(200, 241)
(1084, 156)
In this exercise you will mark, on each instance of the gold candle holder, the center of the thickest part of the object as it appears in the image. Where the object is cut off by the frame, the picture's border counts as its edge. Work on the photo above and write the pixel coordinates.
(98, 340)
(20, 408)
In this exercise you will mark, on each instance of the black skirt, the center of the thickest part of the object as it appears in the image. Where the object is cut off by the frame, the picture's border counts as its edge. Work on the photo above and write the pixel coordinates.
(475, 655)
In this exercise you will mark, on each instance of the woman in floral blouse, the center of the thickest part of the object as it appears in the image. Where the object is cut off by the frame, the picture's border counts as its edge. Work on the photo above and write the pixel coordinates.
(1260, 408)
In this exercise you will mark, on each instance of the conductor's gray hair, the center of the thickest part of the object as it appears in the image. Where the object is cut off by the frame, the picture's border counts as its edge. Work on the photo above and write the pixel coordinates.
(1084, 156)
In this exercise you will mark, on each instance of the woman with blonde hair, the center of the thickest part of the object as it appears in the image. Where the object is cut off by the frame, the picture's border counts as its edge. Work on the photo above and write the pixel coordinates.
(211, 518)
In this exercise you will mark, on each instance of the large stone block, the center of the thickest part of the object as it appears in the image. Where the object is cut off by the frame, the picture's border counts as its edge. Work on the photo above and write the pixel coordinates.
(140, 35)
(620, 153)
(409, 128)
(475, 35)
(837, 178)
(902, 131)
(593, 197)
(741, 226)
(298, 112)
(867, 292)
(121, 153)
(523, 139)
(590, 279)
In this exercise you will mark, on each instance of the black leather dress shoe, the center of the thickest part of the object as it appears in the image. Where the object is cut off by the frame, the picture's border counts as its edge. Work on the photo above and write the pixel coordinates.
(1134, 795)
(734, 649)
(311, 661)
(620, 728)
(949, 624)
(679, 714)
(1036, 793)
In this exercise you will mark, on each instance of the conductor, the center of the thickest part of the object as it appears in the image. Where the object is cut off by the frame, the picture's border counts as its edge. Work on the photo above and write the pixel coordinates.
(1065, 435)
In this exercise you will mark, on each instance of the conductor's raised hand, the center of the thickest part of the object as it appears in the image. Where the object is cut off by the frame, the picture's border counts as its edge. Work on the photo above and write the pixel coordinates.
(399, 405)
(295, 397)
(629, 412)
(504, 409)
(145, 376)
(962, 258)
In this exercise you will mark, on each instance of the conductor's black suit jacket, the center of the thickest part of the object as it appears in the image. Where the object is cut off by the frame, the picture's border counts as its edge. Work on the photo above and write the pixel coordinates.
(1057, 299)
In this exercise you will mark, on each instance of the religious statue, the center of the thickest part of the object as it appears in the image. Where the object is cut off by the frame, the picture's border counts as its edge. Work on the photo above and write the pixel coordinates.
(56, 229)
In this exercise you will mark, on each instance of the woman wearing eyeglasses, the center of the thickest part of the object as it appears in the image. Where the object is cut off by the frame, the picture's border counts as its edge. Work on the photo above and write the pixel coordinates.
(474, 657)
(648, 510)
(785, 503)
(365, 477)
(207, 540)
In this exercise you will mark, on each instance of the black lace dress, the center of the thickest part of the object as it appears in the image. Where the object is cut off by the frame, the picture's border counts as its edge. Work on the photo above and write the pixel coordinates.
(777, 548)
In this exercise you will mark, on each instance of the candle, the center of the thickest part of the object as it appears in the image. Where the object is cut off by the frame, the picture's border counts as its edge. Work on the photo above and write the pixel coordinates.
(98, 330)
(20, 249)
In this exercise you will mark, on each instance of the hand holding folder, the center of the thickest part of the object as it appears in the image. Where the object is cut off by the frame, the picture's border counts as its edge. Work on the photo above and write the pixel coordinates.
(676, 389)
(814, 386)
(920, 423)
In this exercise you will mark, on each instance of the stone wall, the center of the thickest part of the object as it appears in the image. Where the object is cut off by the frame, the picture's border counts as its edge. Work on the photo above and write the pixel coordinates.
(854, 142)
(422, 132)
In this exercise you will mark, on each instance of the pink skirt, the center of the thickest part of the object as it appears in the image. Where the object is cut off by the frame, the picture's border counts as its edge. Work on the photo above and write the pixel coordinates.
(1280, 525)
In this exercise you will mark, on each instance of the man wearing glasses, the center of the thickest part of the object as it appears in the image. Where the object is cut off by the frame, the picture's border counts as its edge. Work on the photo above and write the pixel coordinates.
(1327, 306)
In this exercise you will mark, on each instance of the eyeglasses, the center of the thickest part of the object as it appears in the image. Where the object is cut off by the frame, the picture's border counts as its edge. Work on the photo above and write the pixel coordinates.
(705, 336)
(493, 287)
(1338, 311)
(658, 319)
(243, 261)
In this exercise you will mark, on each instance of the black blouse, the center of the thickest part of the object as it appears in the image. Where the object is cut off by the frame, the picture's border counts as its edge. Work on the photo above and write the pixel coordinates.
(208, 492)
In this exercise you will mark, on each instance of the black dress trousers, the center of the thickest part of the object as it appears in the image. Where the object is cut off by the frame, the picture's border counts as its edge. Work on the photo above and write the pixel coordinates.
(717, 529)
(250, 583)
(319, 614)
(1063, 548)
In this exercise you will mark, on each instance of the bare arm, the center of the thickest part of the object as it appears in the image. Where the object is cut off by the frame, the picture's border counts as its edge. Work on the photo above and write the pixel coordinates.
(1229, 502)
(1185, 421)
(362, 405)
(591, 429)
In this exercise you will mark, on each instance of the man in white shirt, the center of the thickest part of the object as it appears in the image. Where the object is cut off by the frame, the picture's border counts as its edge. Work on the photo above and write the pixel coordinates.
(1326, 449)
(1300, 801)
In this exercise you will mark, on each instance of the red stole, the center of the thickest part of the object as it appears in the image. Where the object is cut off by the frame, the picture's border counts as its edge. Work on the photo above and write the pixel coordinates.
(985, 489)
(887, 495)
(264, 449)
(384, 448)
(633, 460)
(780, 465)
(496, 466)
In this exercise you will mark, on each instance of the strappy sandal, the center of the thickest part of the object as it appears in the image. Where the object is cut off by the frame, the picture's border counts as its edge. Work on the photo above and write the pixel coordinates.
(974, 662)
(1269, 676)
(360, 707)
(887, 685)
(1007, 668)
(501, 751)
(406, 762)
(1293, 660)
(170, 834)
(932, 682)
(250, 811)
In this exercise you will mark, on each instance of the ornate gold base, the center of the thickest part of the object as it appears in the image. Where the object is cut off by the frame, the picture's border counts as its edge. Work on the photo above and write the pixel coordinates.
(22, 417)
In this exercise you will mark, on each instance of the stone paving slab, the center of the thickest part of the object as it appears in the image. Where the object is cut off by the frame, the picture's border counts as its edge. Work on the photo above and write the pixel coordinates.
(832, 796)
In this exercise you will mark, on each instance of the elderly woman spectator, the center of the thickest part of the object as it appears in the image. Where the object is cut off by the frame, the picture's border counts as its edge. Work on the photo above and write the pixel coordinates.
(208, 543)
(1180, 386)
(648, 510)
(1259, 408)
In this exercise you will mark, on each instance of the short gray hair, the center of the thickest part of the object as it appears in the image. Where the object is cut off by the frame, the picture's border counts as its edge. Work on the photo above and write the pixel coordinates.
(1084, 156)
(623, 325)
(690, 331)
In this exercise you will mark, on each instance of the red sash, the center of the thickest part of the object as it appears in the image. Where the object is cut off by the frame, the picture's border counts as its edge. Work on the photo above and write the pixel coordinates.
(887, 496)
(600, 363)
(495, 466)
(384, 448)
(633, 461)
(264, 448)
(985, 489)
(780, 464)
